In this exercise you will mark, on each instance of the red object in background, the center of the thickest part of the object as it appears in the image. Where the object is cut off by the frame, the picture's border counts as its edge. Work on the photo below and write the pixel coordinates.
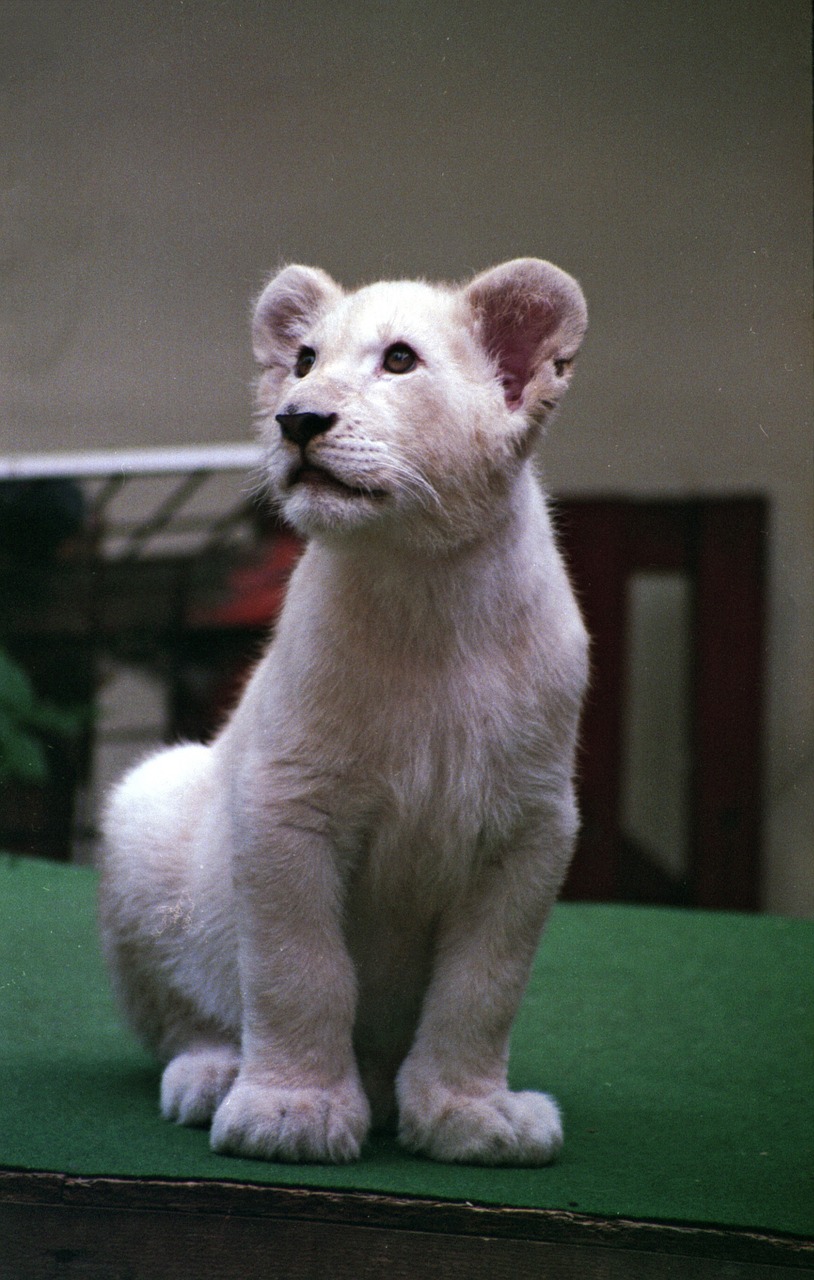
(254, 592)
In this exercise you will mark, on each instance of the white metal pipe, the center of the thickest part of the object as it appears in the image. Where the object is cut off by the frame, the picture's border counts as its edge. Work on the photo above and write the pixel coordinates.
(98, 464)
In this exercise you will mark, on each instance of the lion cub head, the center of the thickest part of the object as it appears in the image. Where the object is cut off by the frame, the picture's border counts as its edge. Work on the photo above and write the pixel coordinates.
(409, 409)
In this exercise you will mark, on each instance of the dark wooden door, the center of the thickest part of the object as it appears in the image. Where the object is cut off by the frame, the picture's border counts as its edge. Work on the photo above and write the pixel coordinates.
(720, 545)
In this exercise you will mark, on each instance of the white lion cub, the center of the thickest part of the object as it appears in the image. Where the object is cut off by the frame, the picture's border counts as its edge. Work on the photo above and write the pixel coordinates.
(326, 918)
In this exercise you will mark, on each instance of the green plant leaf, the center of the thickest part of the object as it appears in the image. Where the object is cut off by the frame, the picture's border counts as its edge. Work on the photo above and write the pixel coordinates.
(16, 690)
(22, 756)
(23, 717)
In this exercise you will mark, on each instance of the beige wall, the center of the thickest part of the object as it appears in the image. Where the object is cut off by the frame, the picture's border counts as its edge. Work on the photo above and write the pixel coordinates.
(159, 158)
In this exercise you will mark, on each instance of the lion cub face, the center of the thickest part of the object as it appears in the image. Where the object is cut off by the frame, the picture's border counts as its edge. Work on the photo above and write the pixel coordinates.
(409, 408)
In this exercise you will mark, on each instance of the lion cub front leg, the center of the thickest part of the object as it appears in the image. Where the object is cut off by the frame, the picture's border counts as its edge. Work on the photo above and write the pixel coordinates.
(297, 1095)
(453, 1095)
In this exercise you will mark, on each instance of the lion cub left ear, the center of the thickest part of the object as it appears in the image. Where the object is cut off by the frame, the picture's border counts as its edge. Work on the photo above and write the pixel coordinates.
(531, 318)
(288, 306)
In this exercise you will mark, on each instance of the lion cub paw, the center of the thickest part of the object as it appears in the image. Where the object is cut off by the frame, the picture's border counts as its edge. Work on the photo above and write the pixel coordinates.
(498, 1128)
(195, 1083)
(322, 1126)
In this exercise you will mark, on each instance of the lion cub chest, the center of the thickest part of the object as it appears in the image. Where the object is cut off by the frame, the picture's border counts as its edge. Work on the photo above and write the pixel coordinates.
(417, 735)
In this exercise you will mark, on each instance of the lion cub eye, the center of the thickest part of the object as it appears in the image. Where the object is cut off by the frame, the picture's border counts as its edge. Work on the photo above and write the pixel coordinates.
(399, 358)
(305, 361)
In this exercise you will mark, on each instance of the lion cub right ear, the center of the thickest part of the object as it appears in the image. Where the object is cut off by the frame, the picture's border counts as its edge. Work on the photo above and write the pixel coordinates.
(286, 309)
(531, 318)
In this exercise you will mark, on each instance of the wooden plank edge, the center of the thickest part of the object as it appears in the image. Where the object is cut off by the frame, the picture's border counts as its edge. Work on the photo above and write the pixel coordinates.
(406, 1213)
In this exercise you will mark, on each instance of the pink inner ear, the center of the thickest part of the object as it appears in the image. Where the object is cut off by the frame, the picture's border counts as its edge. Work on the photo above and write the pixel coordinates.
(515, 360)
(515, 345)
(513, 386)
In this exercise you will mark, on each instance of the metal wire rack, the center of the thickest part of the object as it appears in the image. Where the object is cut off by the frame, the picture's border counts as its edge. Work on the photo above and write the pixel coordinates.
(153, 501)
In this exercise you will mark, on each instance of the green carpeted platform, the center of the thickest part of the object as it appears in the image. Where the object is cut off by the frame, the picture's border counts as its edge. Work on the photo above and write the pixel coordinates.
(680, 1045)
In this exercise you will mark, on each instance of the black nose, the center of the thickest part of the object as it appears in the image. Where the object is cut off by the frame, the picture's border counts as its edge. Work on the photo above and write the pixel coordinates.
(299, 428)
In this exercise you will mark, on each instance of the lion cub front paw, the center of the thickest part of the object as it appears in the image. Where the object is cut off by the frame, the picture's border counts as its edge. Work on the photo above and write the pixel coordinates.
(322, 1126)
(498, 1128)
(195, 1083)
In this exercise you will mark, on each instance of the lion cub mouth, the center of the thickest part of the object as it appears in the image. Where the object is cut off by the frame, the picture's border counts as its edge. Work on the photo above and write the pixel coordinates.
(319, 478)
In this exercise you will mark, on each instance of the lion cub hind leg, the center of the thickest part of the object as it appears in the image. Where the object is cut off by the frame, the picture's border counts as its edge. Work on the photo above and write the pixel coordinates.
(196, 1081)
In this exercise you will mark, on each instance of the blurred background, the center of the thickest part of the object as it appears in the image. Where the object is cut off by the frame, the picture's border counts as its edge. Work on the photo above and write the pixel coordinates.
(161, 159)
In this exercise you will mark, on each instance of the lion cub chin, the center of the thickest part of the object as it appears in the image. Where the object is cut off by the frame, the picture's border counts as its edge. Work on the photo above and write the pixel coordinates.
(327, 917)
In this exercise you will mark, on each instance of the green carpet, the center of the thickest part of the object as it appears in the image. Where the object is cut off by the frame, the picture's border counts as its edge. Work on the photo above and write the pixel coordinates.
(680, 1046)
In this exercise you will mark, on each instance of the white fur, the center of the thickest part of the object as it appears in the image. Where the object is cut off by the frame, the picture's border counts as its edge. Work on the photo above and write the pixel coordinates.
(331, 911)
